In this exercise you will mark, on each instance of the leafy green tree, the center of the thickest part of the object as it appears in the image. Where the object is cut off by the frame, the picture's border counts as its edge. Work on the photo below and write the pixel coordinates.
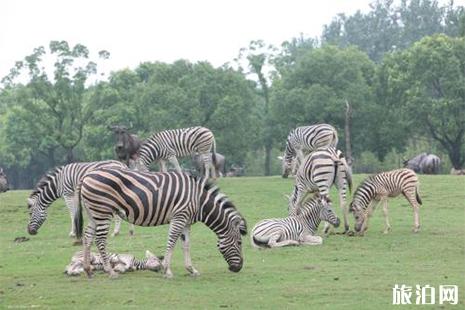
(425, 85)
(53, 109)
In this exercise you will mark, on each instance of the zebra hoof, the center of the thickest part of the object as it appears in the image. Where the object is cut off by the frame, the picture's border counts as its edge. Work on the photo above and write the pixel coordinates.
(131, 233)
(113, 275)
(416, 230)
(77, 242)
(168, 275)
(115, 234)
(71, 235)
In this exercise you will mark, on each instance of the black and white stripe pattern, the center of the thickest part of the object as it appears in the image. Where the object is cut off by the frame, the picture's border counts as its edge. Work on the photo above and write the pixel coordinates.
(152, 199)
(294, 230)
(318, 172)
(61, 182)
(120, 262)
(380, 187)
(304, 140)
(169, 144)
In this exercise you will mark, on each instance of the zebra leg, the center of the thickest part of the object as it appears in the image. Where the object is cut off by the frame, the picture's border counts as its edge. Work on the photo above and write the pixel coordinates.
(102, 229)
(345, 210)
(411, 197)
(185, 237)
(311, 240)
(88, 239)
(117, 228)
(207, 163)
(174, 161)
(175, 230)
(131, 229)
(387, 226)
(69, 201)
(273, 242)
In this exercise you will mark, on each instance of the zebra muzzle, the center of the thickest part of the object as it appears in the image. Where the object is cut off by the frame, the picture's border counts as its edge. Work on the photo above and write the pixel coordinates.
(31, 231)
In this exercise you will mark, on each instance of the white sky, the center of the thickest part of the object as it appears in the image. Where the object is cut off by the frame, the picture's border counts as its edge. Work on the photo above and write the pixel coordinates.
(150, 30)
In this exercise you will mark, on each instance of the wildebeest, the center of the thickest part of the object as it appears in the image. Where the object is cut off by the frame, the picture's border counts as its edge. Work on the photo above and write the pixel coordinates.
(3, 182)
(219, 164)
(127, 144)
(424, 163)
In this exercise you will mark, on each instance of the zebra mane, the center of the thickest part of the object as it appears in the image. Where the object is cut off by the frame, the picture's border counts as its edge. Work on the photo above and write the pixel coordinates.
(364, 182)
(45, 179)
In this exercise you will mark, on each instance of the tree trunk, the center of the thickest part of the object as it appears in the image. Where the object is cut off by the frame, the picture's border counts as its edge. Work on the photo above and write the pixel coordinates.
(348, 125)
(268, 148)
(69, 156)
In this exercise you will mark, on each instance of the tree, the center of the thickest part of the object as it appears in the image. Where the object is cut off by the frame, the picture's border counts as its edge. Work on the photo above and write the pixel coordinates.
(427, 82)
(53, 110)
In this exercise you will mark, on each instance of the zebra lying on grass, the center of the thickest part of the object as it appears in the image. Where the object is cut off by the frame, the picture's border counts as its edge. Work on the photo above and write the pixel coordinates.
(62, 182)
(153, 199)
(167, 145)
(303, 140)
(318, 172)
(380, 187)
(120, 262)
(294, 230)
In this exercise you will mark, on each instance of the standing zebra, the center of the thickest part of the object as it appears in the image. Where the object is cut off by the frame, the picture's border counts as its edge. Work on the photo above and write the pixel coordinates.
(62, 182)
(318, 172)
(169, 144)
(294, 230)
(152, 199)
(303, 140)
(380, 187)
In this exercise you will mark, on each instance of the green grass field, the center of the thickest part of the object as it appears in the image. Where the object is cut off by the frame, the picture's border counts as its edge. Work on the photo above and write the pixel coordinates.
(343, 273)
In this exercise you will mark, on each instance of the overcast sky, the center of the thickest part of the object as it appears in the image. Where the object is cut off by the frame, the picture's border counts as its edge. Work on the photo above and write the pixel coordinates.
(149, 30)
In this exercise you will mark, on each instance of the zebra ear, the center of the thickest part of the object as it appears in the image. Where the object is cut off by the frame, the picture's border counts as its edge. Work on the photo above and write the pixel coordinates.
(280, 157)
(30, 201)
(243, 227)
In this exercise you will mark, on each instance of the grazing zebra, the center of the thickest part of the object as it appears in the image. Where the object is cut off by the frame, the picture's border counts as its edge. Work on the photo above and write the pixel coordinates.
(120, 262)
(62, 182)
(294, 230)
(303, 140)
(152, 199)
(169, 144)
(380, 187)
(318, 172)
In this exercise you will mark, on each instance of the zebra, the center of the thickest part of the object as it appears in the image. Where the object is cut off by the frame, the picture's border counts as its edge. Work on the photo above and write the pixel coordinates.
(380, 187)
(152, 199)
(303, 140)
(169, 144)
(62, 182)
(294, 230)
(120, 263)
(4, 186)
(318, 172)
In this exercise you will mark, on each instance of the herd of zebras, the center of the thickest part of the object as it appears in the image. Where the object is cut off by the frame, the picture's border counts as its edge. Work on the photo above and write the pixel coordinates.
(109, 189)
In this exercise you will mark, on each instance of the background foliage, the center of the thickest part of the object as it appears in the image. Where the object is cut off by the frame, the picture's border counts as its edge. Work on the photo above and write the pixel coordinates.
(401, 67)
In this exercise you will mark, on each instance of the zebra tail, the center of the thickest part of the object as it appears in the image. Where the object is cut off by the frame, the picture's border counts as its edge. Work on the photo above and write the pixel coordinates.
(78, 220)
(418, 196)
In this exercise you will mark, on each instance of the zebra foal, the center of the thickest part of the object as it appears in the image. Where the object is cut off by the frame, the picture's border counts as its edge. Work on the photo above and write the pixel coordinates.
(294, 230)
(152, 199)
(318, 172)
(62, 181)
(378, 188)
(303, 140)
(169, 144)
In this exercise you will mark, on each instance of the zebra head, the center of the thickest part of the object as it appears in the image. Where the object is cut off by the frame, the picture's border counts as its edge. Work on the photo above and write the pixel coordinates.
(37, 213)
(230, 241)
(327, 214)
(360, 216)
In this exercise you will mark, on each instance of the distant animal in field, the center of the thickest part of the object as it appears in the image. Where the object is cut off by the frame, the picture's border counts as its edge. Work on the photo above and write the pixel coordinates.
(126, 145)
(302, 141)
(294, 230)
(235, 171)
(378, 188)
(4, 186)
(219, 164)
(120, 263)
(166, 146)
(454, 171)
(424, 163)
